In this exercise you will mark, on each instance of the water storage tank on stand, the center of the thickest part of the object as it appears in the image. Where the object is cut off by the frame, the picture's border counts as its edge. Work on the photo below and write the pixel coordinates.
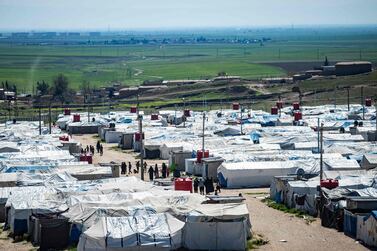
(279, 104)
(296, 106)
(274, 110)
(138, 136)
(236, 106)
(298, 116)
(133, 109)
(76, 117)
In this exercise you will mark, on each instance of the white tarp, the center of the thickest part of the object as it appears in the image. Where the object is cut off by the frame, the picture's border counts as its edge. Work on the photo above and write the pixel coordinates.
(143, 232)
(259, 174)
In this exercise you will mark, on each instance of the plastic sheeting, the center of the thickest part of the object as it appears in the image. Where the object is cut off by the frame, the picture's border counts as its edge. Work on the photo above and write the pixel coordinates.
(149, 232)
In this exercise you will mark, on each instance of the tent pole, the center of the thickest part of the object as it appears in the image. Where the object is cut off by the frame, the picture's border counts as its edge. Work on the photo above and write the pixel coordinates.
(321, 153)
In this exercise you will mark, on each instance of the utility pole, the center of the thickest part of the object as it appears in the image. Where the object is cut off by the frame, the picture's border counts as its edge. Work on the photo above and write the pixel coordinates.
(140, 119)
(348, 98)
(241, 119)
(375, 104)
(175, 115)
(204, 118)
(184, 110)
(321, 153)
(318, 136)
(87, 103)
(40, 122)
(49, 118)
(362, 101)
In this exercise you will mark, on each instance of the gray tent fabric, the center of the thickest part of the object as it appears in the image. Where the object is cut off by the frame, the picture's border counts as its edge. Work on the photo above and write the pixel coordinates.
(146, 232)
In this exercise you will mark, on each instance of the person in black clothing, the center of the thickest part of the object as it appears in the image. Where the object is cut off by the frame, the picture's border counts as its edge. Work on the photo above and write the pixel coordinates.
(129, 168)
(123, 168)
(101, 149)
(138, 166)
(164, 170)
(196, 185)
(151, 172)
(156, 174)
(98, 146)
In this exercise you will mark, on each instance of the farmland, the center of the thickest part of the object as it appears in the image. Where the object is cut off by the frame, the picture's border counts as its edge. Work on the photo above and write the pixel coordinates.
(24, 64)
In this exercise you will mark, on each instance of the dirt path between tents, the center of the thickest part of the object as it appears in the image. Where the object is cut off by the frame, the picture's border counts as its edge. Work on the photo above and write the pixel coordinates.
(111, 152)
(287, 232)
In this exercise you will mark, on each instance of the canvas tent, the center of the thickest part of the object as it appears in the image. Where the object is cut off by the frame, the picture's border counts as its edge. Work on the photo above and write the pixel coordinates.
(143, 232)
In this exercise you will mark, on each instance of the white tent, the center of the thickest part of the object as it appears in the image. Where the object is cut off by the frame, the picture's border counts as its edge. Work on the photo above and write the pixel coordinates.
(144, 232)
(259, 174)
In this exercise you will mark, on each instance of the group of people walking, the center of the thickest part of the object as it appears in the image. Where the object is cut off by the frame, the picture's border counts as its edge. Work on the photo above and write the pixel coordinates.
(89, 149)
(206, 186)
(154, 172)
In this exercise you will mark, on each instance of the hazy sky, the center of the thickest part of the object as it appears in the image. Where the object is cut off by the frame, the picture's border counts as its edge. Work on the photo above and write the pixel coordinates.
(126, 14)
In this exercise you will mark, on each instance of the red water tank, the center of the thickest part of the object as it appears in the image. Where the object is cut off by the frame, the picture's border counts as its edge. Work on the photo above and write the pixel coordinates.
(236, 106)
(138, 137)
(329, 183)
(274, 110)
(64, 138)
(187, 113)
(206, 154)
(296, 106)
(183, 184)
(368, 102)
(199, 156)
(154, 116)
(279, 104)
(76, 117)
(298, 116)
(133, 109)
(82, 157)
(67, 111)
(89, 158)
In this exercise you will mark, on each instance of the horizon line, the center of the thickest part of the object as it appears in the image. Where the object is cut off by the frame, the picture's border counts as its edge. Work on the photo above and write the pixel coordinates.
(187, 28)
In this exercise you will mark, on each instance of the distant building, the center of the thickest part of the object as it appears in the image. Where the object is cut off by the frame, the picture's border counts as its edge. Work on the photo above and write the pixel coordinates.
(313, 73)
(277, 80)
(352, 68)
(328, 70)
(299, 77)
(127, 92)
(227, 78)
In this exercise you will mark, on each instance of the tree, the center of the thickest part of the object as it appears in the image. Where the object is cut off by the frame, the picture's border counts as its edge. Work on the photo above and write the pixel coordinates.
(42, 88)
(85, 88)
(60, 88)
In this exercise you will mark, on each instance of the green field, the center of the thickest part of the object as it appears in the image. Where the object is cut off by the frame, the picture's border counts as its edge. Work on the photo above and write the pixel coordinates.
(101, 65)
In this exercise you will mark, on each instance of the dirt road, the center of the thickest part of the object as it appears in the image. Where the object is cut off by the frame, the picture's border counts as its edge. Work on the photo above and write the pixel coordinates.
(287, 232)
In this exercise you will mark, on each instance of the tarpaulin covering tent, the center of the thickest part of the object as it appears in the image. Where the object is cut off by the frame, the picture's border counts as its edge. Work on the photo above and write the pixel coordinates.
(207, 227)
(259, 174)
(367, 229)
(144, 232)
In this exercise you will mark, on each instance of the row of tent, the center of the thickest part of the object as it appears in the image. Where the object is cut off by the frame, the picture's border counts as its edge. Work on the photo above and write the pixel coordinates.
(46, 193)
